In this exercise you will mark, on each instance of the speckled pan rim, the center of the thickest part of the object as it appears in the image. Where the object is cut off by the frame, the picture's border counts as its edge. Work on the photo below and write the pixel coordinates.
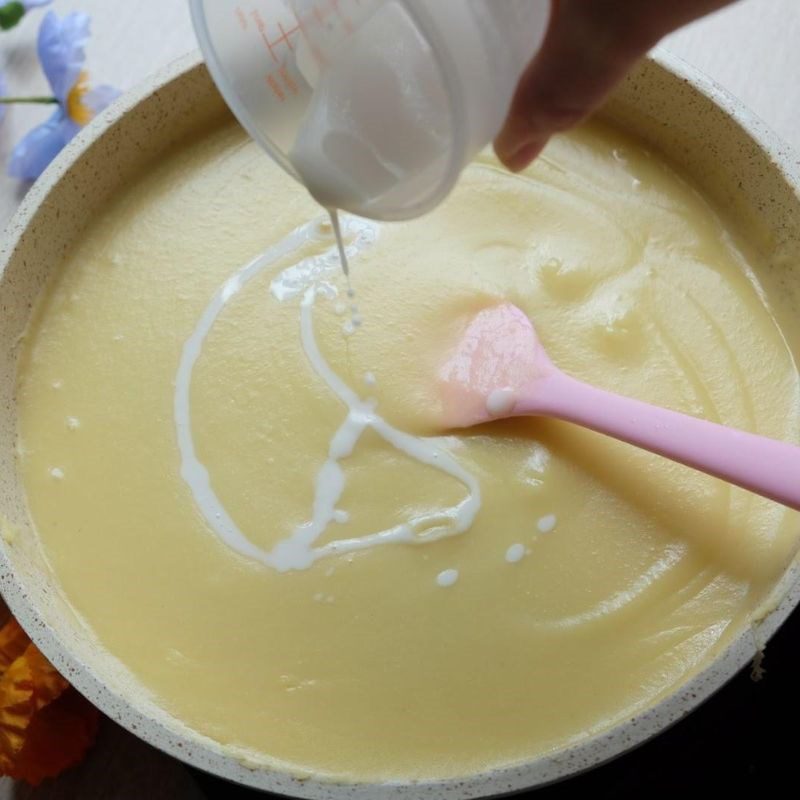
(139, 715)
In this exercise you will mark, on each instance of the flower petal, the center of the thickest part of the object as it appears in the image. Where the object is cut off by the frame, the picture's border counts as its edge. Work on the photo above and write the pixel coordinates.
(60, 47)
(58, 736)
(100, 97)
(27, 686)
(37, 149)
(13, 643)
(45, 725)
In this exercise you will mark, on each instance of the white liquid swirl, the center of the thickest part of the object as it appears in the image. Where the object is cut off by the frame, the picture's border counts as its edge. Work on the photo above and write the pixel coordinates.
(298, 550)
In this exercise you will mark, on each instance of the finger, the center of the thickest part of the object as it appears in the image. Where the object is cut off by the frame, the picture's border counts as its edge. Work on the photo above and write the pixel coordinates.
(589, 48)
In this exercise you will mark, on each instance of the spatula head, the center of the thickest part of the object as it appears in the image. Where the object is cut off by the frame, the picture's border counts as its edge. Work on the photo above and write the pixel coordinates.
(493, 367)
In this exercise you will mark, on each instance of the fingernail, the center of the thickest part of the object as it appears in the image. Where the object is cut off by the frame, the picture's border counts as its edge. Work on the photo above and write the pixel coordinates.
(524, 155)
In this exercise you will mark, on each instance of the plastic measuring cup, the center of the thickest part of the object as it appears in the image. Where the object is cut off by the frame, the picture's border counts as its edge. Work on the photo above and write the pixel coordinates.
(375, 105)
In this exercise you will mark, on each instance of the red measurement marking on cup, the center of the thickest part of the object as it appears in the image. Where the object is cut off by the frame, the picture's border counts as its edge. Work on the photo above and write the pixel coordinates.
(240, 15)
(274, 45)
(261, 27)
(287, 79)
(315, 51)
(332, 8)
(273, 84)
(284, 37)
(348, 25)
(279, 79)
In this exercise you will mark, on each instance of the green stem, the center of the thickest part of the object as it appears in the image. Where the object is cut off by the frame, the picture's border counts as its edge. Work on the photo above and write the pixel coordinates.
(43, 100)
(11, 14)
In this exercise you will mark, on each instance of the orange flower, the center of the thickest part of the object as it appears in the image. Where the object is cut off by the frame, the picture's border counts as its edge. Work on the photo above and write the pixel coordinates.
(45, 725)
(13, 641)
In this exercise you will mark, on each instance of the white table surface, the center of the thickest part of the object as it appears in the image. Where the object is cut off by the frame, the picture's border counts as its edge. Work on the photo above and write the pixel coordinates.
(750, 48)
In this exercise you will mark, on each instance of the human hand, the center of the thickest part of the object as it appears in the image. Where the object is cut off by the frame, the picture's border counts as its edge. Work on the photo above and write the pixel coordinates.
(589, 47)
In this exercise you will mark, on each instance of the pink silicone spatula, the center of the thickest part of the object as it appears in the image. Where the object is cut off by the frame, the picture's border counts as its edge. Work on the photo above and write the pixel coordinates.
(500, 369)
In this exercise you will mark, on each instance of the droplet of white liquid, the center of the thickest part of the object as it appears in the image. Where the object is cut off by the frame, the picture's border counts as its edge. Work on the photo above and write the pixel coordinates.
(319, 597)
(500, 402)
(73, 423)
(341, 516)
(57, 384)
(340, 308)
(57, 473)
(515, 553)
(348, 328)
(547, 524)
(447, 578)
(370, 379)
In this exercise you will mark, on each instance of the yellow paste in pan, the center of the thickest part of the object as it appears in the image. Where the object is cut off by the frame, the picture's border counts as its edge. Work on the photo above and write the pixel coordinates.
(589, 580)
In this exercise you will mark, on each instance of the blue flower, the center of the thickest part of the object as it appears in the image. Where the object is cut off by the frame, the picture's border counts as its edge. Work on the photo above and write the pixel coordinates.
(60, 46)
(12, 13)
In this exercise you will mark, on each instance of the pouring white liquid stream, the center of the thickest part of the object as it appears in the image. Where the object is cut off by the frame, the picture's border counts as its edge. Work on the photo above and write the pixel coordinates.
(355, 319)
(337, 232)
(308, 278)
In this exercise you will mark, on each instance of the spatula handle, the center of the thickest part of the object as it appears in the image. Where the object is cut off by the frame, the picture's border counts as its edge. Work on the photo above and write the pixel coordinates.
(761, 465)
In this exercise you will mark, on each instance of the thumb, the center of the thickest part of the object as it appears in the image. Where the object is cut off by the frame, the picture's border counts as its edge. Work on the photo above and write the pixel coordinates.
(589, 48)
